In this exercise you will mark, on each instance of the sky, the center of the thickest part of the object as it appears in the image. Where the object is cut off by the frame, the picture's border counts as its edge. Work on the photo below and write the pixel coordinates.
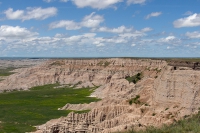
(99, 28)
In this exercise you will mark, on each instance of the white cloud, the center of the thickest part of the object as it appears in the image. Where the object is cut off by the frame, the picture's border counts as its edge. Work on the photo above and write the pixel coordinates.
(147, 29)
(92, 20)
(169, 40)
(67, 24)
(98, 4)
(31, 13)
(133, 45)
(18, 14)
(83, 43)
(100, 45)
(48, 1)
(89, 21)
(124, 31)
(59, 35)
(135, 35)
(121, 29)
(135, 2)
(89, 35)
(168, 47)
(15, 32)
(190, 21)
(194, 34)
(153, 14)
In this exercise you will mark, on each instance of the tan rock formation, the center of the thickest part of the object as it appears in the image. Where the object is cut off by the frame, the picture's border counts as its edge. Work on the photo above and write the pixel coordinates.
(163, 95)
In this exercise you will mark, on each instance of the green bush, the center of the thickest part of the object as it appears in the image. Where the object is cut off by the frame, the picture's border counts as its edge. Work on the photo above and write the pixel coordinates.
(135, 100)
(105, 64)
(134, 78)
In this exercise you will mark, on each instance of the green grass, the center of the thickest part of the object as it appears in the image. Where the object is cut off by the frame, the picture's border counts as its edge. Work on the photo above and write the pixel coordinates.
(6, 71)
(187, 125)
(134, 78)
(135, 100)
(57, 63)
(102, 63)
(21, 110)
(183, 59)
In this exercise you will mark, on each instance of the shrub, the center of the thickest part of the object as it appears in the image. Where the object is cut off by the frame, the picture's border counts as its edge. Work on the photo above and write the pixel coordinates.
(135, 100)
(153, 114)
(134, 78)
(105, 64)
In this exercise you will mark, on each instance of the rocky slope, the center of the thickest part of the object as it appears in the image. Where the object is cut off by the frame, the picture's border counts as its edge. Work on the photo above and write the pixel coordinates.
(163, 95)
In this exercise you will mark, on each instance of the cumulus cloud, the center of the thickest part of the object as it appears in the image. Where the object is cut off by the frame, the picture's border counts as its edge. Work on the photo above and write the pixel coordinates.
(147, 29)
(135, 2)
(124, 31)
(194, 34)
(10, 32)
(67, 24)
(83, 43)
(190, 21)
(89, 21)
(97, 4)
(169, 40)
(121, 29)
(134, 35)
(48, 1)
(153, 14)
(31, 13)
(92, 20)
(10, 14)
(168, 47)
(60, 41)
(133, 45)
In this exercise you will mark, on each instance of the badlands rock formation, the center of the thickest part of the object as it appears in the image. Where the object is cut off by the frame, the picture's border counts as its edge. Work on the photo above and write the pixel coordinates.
(163, 95)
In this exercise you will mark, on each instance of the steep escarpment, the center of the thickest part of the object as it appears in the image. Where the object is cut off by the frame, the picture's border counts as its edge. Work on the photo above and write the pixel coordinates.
(180, 88)
(159, 95)
(87, 72)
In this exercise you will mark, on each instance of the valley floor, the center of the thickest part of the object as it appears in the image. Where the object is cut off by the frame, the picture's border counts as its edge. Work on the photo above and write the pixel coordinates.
(20, 111)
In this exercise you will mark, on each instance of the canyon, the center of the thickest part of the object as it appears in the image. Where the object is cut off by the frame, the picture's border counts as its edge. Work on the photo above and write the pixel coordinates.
(165, 92)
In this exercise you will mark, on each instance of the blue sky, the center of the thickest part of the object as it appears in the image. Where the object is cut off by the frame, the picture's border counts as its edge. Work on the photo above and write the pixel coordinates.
(99, 28)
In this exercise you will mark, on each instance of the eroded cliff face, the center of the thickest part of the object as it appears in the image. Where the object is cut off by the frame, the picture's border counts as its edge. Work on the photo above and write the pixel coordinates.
(163, 95)
(89, 72)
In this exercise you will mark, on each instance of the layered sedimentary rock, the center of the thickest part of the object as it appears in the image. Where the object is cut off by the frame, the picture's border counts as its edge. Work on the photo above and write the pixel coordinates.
(88, 72)
(163, 94)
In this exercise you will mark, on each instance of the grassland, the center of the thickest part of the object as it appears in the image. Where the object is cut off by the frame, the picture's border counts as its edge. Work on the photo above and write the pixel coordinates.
(21, 110)
(183, 59)
(187, 125)
(6, 71)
